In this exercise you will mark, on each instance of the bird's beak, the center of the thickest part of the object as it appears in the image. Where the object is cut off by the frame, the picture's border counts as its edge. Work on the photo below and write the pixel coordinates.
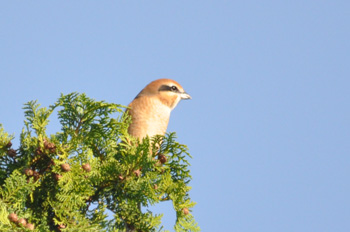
(185, 96)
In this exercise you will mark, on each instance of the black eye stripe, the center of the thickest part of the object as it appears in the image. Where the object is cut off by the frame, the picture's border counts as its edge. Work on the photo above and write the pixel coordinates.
(172, 88)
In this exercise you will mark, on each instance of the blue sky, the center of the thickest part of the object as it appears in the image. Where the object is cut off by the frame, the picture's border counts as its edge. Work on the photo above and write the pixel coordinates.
(268, 125)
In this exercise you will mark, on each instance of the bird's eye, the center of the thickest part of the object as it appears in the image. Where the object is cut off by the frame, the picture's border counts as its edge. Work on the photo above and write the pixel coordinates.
(173, 88)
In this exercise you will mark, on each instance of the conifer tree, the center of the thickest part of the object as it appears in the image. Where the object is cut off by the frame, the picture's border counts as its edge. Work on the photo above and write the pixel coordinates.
(76, 179)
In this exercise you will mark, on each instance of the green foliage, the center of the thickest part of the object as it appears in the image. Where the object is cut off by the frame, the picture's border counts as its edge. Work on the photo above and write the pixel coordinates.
(92, 168)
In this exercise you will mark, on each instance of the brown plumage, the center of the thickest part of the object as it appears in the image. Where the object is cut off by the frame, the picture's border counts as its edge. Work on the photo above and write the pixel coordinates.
(151, 108)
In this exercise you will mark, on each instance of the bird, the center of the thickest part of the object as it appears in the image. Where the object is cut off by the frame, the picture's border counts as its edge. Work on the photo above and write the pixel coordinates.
(150, 110)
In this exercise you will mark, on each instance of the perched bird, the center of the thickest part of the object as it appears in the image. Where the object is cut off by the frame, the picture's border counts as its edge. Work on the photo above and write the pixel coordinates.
(150, 110)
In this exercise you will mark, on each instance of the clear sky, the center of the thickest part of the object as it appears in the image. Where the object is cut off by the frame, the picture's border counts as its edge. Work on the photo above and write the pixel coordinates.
(268, 125)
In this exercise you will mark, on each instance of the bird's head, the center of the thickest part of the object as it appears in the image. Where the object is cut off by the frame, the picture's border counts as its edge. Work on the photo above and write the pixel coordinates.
(168, 91)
